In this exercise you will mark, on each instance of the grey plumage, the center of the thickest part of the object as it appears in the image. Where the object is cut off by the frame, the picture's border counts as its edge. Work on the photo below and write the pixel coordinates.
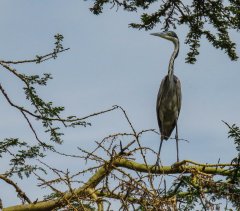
(169, 96)
(168, 105)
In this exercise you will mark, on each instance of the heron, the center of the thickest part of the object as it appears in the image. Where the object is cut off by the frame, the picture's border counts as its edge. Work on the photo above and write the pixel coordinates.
(169, 96)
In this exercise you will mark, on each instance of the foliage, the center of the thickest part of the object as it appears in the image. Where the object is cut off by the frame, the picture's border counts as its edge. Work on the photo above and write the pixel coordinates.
(18, 162)
(207, 19)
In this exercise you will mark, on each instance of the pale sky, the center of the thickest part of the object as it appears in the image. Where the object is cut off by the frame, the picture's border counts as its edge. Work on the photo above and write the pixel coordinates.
(111, 64)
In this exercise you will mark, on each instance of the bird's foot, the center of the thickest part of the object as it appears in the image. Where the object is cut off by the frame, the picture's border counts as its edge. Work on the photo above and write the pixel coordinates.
(157, 164)
(177, 164)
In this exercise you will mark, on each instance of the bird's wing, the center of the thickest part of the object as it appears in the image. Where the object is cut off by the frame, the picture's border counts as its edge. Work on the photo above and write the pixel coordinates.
(159, 100)
(179, 95)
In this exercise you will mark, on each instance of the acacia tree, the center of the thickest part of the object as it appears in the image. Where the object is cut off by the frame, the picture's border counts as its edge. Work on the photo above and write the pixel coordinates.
(209, 19)
(124, 173)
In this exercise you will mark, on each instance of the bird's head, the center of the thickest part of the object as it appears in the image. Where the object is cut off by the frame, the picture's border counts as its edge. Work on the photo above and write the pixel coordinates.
(168, 35)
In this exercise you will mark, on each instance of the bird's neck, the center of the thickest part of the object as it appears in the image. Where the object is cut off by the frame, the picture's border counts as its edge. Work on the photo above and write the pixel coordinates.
(173, 57)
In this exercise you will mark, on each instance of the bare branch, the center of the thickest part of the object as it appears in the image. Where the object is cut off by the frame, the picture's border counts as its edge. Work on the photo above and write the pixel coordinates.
(21, 194)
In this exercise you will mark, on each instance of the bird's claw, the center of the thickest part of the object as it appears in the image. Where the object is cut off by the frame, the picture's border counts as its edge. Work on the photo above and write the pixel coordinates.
(176, 164)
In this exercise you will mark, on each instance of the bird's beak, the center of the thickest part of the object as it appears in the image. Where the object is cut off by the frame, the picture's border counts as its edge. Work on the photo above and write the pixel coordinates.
(155, 34)
(158, 34)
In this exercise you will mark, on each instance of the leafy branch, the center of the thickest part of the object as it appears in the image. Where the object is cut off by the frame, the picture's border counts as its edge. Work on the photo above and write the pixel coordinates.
(220, 16)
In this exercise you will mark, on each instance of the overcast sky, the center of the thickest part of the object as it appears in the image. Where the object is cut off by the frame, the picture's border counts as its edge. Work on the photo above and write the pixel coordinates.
(110, 64)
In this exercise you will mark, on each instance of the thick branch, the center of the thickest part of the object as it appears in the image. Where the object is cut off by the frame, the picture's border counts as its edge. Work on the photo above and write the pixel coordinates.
(48, 205)
(175, 169)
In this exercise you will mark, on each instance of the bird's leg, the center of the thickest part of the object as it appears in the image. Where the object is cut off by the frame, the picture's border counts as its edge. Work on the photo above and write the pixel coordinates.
(158, 155)
(176, 137)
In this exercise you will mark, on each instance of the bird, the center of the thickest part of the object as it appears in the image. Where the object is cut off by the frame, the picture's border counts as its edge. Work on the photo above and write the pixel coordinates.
(169, 96)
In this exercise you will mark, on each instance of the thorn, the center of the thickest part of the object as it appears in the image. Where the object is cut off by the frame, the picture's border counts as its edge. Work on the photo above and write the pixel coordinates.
(121, 148)
(35, 202)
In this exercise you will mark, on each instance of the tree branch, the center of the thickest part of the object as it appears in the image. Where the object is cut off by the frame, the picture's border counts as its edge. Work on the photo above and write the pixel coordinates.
(119, 161)
(174, 169)
(21, 194)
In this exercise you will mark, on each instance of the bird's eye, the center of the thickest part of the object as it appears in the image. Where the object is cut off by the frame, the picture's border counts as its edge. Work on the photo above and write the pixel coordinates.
(173, 34)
